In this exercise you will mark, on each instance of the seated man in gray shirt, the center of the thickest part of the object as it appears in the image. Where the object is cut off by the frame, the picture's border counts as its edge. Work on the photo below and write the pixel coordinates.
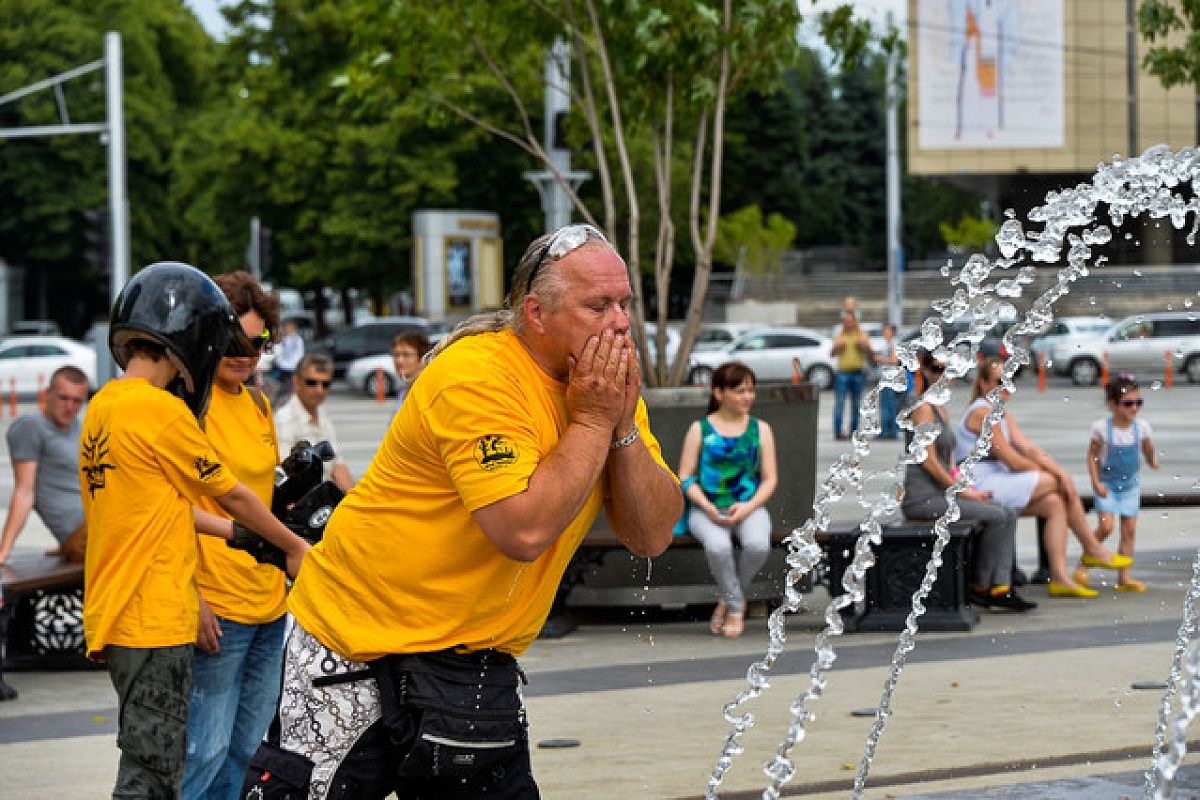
(44, 448)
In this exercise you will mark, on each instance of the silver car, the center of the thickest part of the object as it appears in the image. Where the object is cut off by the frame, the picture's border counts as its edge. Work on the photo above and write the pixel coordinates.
(1141, 344)
(1067, 331)
(775, 354)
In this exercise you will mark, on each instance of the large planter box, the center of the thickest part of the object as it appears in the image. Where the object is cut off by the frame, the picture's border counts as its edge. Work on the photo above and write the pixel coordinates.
(602, 576)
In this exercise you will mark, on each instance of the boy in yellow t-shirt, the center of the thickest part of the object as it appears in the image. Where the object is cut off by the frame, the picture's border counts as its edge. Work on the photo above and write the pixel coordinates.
(144, 462)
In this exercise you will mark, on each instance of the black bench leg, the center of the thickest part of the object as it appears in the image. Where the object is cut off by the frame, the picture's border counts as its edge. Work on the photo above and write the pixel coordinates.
(1043, 571)
(6, 692)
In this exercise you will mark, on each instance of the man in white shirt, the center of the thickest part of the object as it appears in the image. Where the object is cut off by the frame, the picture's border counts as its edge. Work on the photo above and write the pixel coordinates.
(301, 418)
(287, 359)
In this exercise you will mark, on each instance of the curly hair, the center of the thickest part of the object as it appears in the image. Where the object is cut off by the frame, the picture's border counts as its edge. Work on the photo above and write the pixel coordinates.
(245, 294)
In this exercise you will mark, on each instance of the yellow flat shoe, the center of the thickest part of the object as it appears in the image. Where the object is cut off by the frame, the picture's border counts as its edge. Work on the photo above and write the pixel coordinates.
(1118, 561)
(1131, 586)
(1059, 590)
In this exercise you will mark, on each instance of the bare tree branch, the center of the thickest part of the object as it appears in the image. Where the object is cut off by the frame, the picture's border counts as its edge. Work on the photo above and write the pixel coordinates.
(610, 87)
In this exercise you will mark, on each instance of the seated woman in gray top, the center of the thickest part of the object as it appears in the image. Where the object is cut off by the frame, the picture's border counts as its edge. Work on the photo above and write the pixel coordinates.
(1022, 477)
(925, 487)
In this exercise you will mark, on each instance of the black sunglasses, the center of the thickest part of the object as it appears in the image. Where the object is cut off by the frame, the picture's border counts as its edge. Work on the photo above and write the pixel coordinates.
(564, 240)
(1137, 403)
(315, 382)
(936, 367)
(259, 343)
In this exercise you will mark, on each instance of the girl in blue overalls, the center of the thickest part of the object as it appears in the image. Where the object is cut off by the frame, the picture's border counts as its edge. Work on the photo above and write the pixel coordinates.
(1113, 461)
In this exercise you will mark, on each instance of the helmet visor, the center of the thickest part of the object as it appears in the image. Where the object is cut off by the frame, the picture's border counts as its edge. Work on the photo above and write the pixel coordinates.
(240, 345)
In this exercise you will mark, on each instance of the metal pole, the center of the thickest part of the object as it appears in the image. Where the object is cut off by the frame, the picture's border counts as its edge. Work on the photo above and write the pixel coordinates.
(118, 200)
(254, 249)
(895, 306)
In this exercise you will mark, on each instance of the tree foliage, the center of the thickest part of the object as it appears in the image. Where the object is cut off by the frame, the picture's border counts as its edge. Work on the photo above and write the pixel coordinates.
(753, 244)
(49, 182)
(1177, 62)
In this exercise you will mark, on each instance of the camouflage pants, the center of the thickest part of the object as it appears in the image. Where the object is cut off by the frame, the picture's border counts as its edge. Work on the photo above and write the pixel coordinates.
(152, 693)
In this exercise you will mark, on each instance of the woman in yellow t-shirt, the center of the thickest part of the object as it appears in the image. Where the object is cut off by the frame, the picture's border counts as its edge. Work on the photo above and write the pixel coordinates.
(239, 650)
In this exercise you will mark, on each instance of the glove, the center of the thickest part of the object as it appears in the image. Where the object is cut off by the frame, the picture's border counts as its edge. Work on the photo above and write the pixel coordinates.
(263, 551)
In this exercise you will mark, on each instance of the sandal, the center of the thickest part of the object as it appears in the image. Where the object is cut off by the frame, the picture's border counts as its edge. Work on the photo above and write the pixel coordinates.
(735, 623)
(717, 623)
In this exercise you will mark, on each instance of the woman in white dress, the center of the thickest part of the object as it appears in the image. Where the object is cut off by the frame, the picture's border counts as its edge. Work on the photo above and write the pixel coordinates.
(1022, 477)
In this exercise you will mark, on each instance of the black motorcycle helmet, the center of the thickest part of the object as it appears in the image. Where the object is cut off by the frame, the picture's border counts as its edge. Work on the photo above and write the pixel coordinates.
(181, 308)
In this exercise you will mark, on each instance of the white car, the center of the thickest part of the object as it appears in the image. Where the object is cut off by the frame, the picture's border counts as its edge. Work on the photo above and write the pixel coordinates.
(715, 335)
(775, 354)
(1141, 344)
(1064, 333)
(362, 373)
(31, 360)
(673, 342)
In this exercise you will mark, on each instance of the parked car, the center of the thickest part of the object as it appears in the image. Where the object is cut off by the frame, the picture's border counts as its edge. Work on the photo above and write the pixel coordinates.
(1066, 330)
(715, 335)
(770, 352)
(1137, 344)
(35, 327)
(362, 373)
(673, 342)
(31, 360)
(992, 343)
(370, 338)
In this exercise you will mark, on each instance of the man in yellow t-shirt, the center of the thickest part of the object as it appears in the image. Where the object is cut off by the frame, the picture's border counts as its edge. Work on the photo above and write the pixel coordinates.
(143, 463)
(441, 565)
(852, 350)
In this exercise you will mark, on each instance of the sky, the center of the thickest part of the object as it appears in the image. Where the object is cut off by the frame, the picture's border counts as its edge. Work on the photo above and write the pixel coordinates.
(875, 10)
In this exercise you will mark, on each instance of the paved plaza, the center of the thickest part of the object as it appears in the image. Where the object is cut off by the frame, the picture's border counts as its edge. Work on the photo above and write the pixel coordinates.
(1042, 705)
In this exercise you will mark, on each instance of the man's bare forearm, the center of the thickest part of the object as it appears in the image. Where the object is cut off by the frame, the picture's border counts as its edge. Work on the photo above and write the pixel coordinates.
(645, 500)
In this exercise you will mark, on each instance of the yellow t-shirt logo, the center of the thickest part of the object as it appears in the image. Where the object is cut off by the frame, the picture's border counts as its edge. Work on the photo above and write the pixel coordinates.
(494, 451)
(95, 455)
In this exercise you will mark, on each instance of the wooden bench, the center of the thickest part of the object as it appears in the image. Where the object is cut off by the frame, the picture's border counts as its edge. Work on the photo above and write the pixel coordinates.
(22, 578)
(900, 563)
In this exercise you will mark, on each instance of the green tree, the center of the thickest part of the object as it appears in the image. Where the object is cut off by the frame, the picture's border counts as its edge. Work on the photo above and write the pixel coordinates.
(336, 182)
(49, 182)
(650, 85)
(744, 239)
(970, 234)
(1176, 62)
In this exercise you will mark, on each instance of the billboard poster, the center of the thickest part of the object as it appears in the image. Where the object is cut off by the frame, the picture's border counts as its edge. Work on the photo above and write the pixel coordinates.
(989, 74)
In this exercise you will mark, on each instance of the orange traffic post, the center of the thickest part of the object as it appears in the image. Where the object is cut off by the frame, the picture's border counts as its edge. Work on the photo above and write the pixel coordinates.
(1168, 373)
(795, 370)
(379, 384)
(12, 397)
(41, 393)
(1041, 372)
(1104, 369)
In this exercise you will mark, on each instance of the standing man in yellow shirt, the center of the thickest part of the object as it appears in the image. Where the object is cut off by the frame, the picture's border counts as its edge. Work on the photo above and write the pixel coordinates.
(438, 569)
(144, 462)
(852, 349)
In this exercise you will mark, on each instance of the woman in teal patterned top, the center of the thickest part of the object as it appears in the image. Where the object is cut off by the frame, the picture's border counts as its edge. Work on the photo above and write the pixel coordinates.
(728, 472)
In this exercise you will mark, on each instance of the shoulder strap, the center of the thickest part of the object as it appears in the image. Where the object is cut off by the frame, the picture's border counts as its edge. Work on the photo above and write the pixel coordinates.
(259, 399)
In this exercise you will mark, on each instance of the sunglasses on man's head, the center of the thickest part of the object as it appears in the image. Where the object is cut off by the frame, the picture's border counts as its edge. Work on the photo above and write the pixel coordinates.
(564, 240)
(1134, 402)
(315, 382)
